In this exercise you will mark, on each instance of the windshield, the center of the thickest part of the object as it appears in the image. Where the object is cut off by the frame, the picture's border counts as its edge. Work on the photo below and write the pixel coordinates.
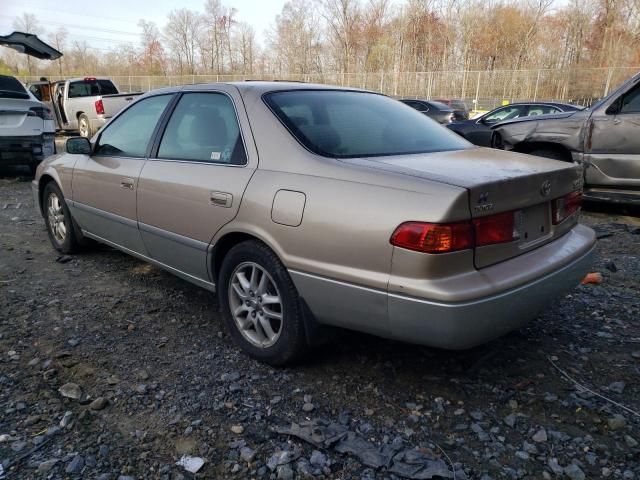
(347, 124)
(10, 87)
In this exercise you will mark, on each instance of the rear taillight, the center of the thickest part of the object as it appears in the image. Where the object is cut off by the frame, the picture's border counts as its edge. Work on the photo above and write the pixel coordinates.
(499, 228)
(564, 207)
(42, 112)
(99, 107)
(433, 237)
(450, 237)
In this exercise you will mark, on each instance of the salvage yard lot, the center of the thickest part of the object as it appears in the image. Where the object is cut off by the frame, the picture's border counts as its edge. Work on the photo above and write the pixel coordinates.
(155, 348)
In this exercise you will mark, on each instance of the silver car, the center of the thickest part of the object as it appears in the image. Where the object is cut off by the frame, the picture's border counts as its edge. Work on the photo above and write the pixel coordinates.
(307, 205)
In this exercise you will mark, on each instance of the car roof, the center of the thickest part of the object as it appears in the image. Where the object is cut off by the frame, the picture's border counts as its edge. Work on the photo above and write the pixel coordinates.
(553, 104)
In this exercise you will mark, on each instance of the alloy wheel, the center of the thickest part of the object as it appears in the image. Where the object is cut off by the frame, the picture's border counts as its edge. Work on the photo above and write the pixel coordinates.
(56, 218)
(256, 305)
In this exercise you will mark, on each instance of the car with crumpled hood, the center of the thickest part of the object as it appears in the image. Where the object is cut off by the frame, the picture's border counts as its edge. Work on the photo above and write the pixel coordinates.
(604, 138)
(304, 206)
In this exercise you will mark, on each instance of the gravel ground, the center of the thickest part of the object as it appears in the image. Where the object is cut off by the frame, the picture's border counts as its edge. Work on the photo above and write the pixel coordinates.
(112, 368)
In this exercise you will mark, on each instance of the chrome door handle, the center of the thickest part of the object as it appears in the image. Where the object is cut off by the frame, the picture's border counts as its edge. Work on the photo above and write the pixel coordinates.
(127, 183)
(221, 199)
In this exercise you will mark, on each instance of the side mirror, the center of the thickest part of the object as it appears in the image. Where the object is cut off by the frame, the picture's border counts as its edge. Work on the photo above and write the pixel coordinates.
(78, 146)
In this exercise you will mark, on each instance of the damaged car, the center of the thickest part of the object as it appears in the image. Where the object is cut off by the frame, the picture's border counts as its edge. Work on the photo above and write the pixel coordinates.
(306, 205)
(605, 138)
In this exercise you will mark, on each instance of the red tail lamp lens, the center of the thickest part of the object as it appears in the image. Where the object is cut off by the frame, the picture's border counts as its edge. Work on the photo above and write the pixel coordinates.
(566, 206)
(433, 237)
(499, 228)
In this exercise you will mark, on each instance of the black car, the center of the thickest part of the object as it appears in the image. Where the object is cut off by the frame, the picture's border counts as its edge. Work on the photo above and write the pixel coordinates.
(478, 130)
(440, 112)
(460, 109)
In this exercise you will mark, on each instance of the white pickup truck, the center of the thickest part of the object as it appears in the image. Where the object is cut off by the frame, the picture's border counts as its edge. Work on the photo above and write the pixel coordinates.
(82, 104)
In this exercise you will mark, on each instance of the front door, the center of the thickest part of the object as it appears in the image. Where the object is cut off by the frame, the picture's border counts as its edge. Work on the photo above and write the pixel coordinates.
(613, 143)
(193, 183)
(105, 184)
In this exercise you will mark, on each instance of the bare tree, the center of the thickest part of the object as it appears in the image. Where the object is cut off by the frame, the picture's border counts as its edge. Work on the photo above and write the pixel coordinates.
(181, 33)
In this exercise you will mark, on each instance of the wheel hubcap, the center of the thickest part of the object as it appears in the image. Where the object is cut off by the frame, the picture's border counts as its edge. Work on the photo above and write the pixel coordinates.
(255, 304)
(56, 218)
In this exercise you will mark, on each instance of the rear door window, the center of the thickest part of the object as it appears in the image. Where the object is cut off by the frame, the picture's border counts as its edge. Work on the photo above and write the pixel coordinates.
(204, 128)
(347, 124)
(128, 135)
(91, 88)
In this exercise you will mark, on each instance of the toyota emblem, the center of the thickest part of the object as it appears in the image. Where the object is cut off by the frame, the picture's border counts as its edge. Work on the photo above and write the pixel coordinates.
(545, 188)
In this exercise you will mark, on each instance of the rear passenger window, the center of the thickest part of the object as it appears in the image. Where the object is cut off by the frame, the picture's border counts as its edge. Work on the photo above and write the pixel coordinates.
(203, 127)
(128, 135)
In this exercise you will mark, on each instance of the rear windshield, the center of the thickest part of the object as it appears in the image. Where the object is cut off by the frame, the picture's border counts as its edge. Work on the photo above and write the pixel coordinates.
(346, 124)
(12, 88)
(91, 88)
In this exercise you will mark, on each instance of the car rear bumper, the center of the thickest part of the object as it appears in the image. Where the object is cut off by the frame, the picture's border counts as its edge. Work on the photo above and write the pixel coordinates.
(612, 195)
(506, 296)
(473, 322)
(25, 150)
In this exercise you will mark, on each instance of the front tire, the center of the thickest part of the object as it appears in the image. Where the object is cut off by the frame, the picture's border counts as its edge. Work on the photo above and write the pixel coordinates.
(63, 233)
(84, 126)
(260, 304)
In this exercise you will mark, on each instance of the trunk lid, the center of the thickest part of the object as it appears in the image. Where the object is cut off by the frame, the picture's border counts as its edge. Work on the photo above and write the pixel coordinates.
(15, 119)
(498, 181)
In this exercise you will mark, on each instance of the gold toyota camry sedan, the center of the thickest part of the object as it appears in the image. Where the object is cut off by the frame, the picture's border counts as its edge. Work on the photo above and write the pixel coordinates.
(305, 205)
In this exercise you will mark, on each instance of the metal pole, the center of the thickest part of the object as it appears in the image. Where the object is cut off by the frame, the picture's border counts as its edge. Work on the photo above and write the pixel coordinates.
(477, 90)
(535, 90)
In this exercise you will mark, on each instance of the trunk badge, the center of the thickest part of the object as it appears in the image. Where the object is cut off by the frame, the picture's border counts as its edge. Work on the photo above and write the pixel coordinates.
(545, 188)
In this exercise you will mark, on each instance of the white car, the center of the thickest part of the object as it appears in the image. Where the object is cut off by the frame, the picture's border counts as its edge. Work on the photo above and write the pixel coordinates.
(27, 128)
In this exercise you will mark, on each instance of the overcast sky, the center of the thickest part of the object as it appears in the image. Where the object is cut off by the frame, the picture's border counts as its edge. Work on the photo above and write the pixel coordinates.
(107, 23)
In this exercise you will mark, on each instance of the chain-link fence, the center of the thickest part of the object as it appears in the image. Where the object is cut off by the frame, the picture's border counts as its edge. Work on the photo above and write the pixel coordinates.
(482, 90)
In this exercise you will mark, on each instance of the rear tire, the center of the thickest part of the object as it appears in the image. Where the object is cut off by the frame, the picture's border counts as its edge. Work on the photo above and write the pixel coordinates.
(84, 126)
(64, 234)
(260, 304)
(551, 153)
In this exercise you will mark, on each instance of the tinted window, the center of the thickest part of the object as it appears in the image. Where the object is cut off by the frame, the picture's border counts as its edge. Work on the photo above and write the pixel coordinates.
(129, 134)
(505, 113)
(203, 127)
(440, 106)
(107, 87)
(631, 101)
(417, 105)
(91, 88)
(345, 124)
(12, 88)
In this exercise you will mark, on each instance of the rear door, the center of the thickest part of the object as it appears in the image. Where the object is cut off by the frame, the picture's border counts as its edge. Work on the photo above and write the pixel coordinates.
(195, 182)
(105, 184)
(612, 145)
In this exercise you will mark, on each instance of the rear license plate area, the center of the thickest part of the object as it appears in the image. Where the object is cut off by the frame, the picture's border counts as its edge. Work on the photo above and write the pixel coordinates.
(534, 224)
